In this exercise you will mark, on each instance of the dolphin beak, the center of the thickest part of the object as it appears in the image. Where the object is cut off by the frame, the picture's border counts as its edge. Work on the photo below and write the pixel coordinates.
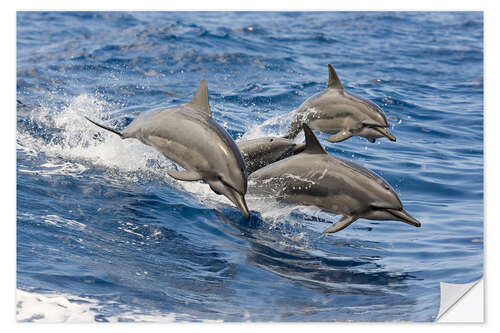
(385, 132)
(402, 215)
(239, 200)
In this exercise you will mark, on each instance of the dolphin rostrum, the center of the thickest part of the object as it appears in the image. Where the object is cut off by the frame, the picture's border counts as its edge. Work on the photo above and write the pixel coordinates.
(188, 135)
(337, 112)
(318, 179)
(260, 152)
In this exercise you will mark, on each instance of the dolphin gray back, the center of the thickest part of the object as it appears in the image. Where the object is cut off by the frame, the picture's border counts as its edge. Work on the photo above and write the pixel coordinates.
(261, 152)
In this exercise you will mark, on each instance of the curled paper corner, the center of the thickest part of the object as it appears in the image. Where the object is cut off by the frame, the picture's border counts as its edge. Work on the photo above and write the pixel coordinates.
(461, 302)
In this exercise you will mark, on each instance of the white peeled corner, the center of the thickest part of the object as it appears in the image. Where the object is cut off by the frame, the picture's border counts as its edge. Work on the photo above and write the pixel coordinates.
(462, 303)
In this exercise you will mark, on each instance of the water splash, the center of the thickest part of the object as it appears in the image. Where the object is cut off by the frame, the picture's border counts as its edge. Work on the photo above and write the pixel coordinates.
(78, 140)
(274, 126)
(80, 145)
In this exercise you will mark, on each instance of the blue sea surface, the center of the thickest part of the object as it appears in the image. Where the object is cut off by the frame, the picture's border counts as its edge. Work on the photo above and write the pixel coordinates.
(99, 218)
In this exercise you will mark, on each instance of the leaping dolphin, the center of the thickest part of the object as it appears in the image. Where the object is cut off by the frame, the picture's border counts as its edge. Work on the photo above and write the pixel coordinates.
(188, 135)
(337, 112)
(260, 152)
(318, 179)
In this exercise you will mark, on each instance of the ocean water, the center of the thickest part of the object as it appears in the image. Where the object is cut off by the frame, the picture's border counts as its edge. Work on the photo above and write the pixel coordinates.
(104, 234)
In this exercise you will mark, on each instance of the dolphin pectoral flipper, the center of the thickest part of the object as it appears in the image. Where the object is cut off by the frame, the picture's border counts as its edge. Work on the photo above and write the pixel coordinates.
(189, 176)
(340, 136)
(341, 224)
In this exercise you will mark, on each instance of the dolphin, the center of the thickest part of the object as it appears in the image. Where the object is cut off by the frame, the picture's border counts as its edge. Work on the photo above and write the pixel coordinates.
(335, 111)
(188, 135)
(318, 179)
(263, 151)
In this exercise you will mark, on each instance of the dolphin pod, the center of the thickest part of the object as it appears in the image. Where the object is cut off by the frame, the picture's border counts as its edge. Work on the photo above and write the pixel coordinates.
(189, 136)
(335, 111)
(315, 178)
(302, 173)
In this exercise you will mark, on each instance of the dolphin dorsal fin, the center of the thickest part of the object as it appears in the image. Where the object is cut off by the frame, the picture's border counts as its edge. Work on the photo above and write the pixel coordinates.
(200, 99)
(333, 79)
(312, 144)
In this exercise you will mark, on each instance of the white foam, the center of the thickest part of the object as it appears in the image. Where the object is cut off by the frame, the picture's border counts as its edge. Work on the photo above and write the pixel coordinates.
(53, 308)
(66, 308)
(76, 141)
(62, 222)
(54, 168)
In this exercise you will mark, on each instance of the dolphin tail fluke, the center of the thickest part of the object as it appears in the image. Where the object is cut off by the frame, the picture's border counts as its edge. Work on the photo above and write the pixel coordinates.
(105, 127)
(402, 215)
(343, 223)
(339, 137)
